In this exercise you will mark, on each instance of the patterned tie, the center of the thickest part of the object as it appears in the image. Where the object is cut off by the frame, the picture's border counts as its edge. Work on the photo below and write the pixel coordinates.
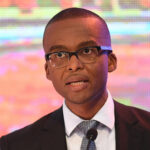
(84, 127)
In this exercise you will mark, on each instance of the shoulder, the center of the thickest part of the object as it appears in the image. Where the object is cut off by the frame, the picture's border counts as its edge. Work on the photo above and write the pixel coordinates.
(132, 114)
(31, 132)
(130, 109)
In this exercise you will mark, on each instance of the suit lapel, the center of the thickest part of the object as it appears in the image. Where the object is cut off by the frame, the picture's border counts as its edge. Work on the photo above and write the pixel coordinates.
(128, 131)
(53, 132)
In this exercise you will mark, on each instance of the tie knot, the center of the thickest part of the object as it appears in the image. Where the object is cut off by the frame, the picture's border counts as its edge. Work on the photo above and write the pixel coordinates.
(84, 126)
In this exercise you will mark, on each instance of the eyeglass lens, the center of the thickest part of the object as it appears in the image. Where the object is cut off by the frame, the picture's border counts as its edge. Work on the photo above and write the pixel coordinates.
(85, 55)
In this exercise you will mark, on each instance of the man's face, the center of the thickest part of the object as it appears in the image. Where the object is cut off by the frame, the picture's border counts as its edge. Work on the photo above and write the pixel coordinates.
(78, 83)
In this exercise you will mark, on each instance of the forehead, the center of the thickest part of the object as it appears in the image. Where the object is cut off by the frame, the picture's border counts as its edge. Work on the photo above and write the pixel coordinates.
(72, 32)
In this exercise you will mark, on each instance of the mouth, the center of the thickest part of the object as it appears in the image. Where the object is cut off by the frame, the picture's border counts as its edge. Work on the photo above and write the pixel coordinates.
(77, 83)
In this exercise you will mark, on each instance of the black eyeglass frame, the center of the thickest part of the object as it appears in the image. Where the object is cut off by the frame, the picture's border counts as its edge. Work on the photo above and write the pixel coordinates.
(99, 48)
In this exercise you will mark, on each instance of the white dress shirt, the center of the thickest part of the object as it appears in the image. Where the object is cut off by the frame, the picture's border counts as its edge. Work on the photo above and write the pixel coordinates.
(106, 129)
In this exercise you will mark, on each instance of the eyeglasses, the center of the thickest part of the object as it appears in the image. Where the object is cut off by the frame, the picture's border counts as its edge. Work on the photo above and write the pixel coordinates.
(89, 54)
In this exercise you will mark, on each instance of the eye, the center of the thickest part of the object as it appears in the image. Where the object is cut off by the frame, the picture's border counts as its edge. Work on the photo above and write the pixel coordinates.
(60, 54)
(87, 50)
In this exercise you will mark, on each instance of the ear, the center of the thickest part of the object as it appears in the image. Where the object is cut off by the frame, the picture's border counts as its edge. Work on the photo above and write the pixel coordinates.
(47, 71)
(112, 62)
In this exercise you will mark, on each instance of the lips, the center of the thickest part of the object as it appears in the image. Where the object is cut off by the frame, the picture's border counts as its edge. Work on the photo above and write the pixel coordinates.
(77, 83)
(76, 80)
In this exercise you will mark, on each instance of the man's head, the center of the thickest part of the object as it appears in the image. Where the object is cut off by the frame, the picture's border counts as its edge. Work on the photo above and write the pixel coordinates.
(72, 13)
(79, 82)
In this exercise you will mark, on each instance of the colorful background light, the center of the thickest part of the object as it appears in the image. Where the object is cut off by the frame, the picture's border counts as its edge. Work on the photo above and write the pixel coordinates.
(26, 94)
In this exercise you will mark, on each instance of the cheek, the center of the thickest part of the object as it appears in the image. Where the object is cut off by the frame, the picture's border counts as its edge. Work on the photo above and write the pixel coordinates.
(57, 80)
(56, 77)
(99, 73)
(103, 65)
(100, 69)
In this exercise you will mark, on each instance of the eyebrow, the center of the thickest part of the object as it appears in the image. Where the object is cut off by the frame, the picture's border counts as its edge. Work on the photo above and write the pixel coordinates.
(55, 47)
(87, 43)
(80, 45)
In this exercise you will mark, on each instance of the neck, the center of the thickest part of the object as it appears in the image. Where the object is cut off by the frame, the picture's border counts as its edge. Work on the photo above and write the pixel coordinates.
(88, 109)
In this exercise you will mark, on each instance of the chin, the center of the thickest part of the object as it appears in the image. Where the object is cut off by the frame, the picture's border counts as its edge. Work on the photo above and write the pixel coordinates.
(78, 99)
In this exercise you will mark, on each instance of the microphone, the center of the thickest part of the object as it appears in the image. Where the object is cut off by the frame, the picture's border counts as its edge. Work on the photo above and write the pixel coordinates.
(91, 136)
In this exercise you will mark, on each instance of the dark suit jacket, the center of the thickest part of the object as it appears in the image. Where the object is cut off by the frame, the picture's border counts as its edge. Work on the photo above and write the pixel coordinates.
(48, 133)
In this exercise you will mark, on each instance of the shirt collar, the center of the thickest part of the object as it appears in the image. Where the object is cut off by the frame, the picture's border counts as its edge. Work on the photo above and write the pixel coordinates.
(105, 116)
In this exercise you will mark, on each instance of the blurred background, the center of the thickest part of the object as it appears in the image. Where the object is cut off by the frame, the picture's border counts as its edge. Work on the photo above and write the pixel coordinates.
(26, 94)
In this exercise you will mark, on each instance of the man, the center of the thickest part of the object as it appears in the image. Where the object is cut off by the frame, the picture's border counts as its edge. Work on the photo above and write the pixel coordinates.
(78, 56)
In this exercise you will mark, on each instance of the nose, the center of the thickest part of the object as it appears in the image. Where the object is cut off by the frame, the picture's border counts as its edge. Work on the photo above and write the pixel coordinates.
(74, 64)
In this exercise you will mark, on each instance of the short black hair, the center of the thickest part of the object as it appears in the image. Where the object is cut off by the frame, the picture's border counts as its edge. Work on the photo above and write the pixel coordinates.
(73, 12)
